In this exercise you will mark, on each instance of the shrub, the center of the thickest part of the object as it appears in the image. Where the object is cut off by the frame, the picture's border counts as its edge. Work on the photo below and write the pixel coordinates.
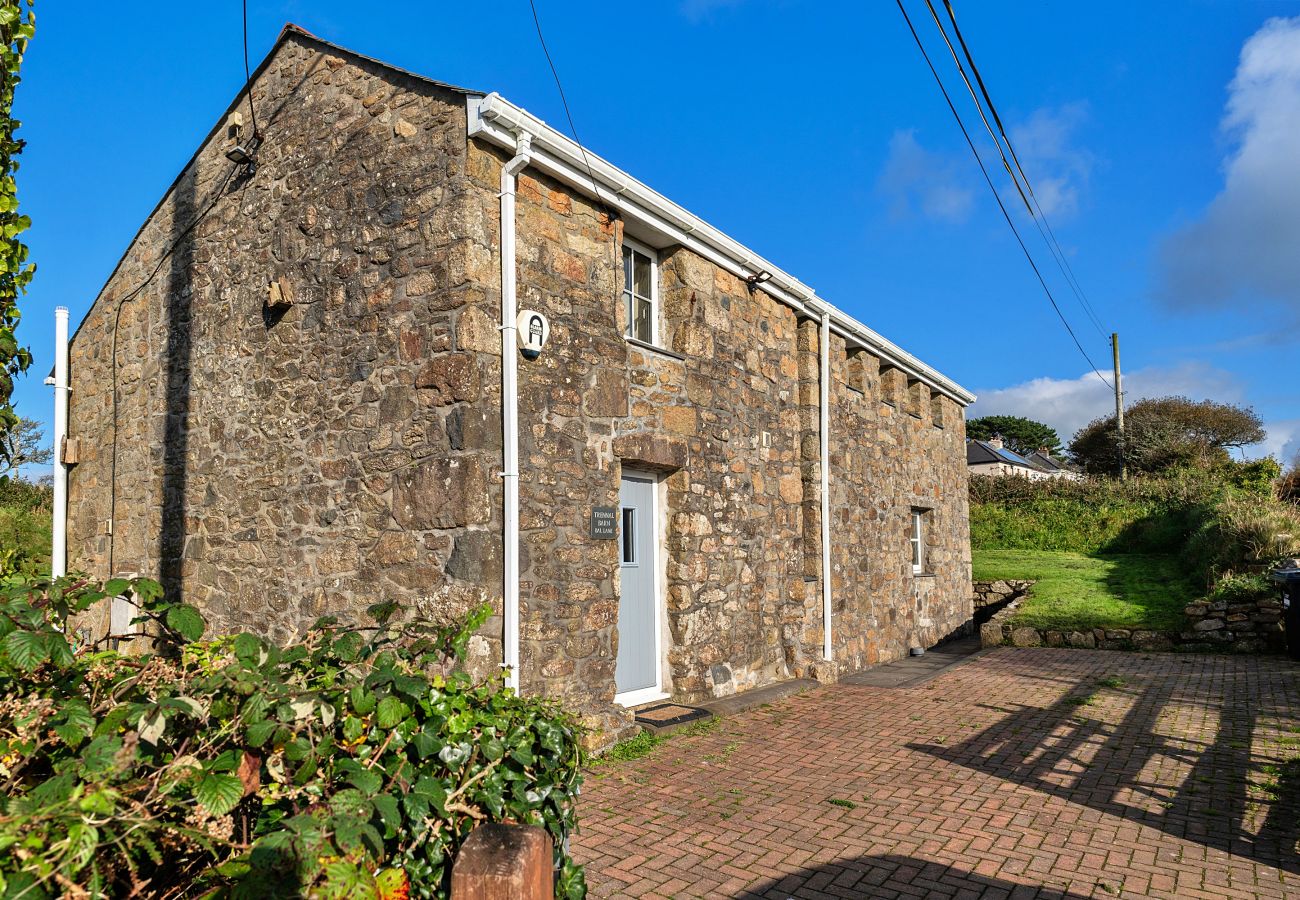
(1256, 476)
(1243, 533)
(350, 764)
(1243, 588)
(1142, 515)
(28, 495)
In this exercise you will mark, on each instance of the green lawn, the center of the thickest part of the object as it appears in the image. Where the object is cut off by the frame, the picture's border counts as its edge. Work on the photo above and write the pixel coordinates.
(1076, 591)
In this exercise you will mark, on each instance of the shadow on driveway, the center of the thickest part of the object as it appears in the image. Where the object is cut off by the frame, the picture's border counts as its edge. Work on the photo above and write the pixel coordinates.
(1137, 749)
(892, 875)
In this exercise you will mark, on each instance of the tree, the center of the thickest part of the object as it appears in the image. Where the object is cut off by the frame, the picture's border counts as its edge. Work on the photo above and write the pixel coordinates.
(1020, 434)
(24, 446)
(16, 27)
(1164, 433)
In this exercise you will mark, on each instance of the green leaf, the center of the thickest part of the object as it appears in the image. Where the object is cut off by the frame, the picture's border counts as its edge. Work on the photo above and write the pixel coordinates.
(258, 733)
(343, 879)
(386, 804)
(367, 781)
(25, 649)
(116, 587)
(391, 710)
(146, 590)
(75, 723)
(362, 700)
(219, 793)
(248, 649)
(186, 621)
(99, 754)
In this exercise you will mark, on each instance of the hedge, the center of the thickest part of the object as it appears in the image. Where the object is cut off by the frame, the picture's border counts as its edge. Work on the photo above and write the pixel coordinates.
(352, 763)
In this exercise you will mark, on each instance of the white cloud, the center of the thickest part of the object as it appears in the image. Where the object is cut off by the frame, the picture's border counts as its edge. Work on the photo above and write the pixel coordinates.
(1282, 443)
(944, 186)
(1057, 168)
(919, 181)
(1245, 244)
(1067, 404)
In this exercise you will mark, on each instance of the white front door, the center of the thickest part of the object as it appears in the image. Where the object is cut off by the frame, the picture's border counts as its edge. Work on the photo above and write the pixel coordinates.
(637, 670)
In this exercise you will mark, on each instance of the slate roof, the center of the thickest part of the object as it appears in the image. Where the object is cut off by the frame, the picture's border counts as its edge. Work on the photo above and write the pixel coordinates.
(980, 452)
(983, 453)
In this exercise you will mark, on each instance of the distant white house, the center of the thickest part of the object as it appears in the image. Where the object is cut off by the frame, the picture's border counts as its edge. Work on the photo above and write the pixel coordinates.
(992, 457)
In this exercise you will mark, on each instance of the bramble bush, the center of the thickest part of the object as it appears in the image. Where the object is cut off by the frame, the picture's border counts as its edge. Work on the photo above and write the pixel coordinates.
(25, 526)
(352, 763)
(1221, 521)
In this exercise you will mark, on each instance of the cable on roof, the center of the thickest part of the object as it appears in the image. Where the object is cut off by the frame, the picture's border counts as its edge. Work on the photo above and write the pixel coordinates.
(998, 197)
(1049, 236)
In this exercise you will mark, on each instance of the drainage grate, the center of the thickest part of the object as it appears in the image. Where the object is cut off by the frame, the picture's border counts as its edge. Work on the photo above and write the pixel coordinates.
(665, 714)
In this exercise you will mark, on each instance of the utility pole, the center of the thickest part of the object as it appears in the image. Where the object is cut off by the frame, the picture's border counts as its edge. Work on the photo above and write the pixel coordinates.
(1119, 406)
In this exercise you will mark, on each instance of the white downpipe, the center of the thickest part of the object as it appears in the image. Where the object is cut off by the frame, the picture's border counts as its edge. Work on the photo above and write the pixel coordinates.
(510, 409)
(59, 550)
(824, 431)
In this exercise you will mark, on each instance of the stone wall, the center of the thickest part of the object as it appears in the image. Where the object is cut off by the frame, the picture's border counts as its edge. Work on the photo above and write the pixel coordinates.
(272, 466)
(726, 412)
(1251, 626)
(275, 466)
(990, 594)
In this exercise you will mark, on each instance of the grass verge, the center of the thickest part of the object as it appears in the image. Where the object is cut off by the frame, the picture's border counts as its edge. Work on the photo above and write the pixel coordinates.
(1074, 591)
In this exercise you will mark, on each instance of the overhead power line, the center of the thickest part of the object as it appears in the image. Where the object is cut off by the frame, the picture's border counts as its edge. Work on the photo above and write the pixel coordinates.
(248, 78)
(997, 196)
(573, 129)
(1018, 176)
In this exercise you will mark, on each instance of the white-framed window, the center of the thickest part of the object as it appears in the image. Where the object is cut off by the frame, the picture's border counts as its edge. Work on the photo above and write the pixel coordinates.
(641, 292)
(917, 540)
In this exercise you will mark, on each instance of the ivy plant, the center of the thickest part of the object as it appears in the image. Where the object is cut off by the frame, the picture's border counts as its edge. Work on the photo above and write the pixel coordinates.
(17, 24)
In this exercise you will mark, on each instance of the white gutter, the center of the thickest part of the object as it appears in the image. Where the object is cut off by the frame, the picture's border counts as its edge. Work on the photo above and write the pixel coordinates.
(510, 410)
(824, 433)
(59, 549)
(497, 120)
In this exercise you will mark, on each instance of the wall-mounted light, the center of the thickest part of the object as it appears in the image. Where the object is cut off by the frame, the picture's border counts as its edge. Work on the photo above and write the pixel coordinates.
(245, 154)
(759, 278)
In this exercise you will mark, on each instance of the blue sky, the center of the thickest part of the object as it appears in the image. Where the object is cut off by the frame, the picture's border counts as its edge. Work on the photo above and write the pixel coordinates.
(1163, 139)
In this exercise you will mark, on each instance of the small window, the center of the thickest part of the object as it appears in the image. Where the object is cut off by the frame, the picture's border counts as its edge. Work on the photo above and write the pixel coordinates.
(640, 291)
(917, 540)
(629, 536)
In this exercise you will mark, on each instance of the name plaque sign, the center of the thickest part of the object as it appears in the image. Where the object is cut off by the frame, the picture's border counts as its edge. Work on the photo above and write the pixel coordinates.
(604, 523)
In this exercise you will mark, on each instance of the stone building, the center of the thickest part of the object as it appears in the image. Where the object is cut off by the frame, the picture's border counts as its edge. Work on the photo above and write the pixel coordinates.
(291, 399)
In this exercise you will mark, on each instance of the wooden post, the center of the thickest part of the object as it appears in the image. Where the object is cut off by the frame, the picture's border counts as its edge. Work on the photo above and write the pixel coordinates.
(1119, 408)
(504, 862)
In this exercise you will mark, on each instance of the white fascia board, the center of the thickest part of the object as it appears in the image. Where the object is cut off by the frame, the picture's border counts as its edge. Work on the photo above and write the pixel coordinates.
(497, 120)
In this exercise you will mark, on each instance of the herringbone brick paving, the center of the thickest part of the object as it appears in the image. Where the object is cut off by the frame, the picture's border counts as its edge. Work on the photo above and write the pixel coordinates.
(1024, 773)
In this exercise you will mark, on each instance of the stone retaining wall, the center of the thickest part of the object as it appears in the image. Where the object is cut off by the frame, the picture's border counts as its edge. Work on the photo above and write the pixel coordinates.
(1250, 627)
(996, 593)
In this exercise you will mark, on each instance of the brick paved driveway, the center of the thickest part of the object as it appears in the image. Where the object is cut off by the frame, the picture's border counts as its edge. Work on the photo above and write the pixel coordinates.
(1023, 773)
